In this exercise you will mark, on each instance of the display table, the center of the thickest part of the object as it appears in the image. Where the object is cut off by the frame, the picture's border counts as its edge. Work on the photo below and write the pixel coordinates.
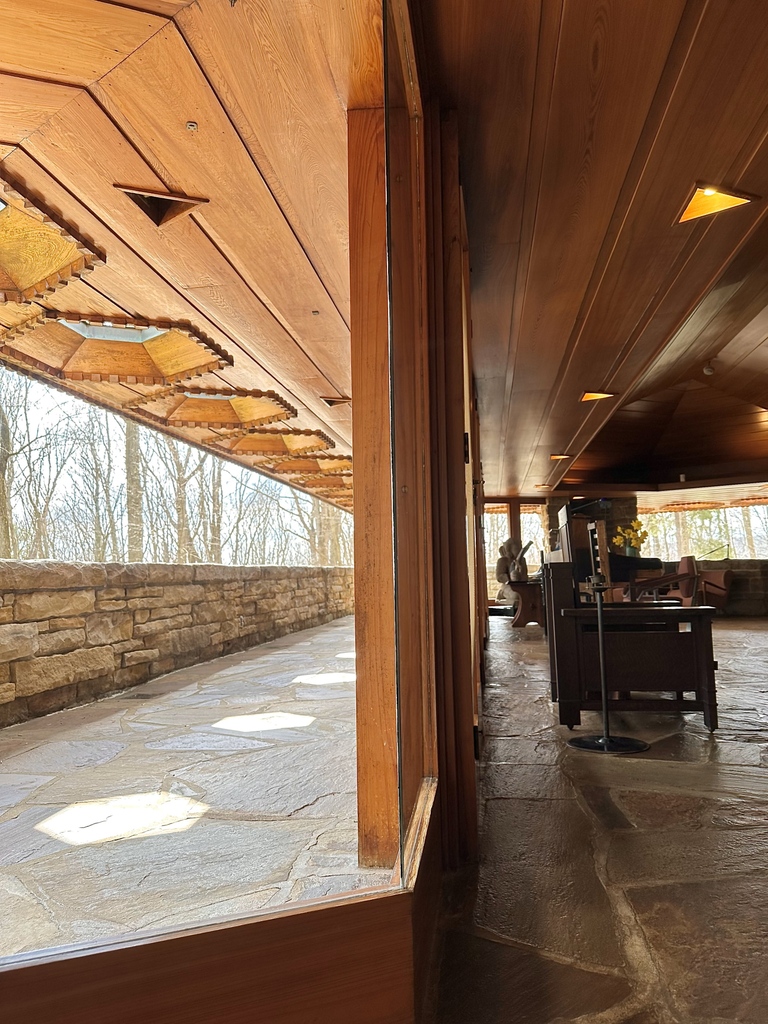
(648, 650)
(530, 607)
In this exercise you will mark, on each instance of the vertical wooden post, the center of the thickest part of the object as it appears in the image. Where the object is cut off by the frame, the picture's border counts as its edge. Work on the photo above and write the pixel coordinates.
(515, 525)
(377, 783)
(455, 333)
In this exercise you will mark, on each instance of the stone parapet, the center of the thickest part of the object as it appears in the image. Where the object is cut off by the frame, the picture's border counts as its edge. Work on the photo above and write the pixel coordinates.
(71, 632)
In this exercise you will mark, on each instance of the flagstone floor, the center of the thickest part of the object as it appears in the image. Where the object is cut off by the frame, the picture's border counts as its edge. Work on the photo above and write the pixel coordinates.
(216, 791)
(617, 890)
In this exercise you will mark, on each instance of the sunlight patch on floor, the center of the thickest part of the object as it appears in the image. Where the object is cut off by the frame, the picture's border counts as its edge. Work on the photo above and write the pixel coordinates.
(122, 817)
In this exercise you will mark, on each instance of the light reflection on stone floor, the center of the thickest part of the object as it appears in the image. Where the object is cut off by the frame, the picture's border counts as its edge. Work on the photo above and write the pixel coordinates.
(251, 814)
(628, 890)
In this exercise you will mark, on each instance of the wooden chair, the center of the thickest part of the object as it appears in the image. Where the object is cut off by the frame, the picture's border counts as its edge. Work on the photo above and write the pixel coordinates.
(713, 587)
(681, 585)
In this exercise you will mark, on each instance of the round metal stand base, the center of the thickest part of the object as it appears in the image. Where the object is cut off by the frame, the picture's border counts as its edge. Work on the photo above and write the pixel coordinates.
(609, 745)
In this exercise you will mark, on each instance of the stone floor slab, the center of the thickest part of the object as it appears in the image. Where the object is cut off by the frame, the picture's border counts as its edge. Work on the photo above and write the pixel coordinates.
(264, 761)
(657, 869)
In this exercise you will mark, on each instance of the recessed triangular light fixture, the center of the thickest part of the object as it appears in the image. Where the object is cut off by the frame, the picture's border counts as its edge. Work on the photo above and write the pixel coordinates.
(596, 396)
(161, 207)
(333, 401)
(709, 199)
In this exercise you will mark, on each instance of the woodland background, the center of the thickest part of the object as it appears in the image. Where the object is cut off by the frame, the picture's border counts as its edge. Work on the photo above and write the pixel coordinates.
(78, 483)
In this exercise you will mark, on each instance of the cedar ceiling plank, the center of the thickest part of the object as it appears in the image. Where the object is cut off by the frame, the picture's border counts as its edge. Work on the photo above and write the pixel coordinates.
(264, 61)
(165, 8)
(657, 270)
(607, 54)
(5, 150)
(152, 94)
(80, 297)
(87, 152)
(74, 41)
(138, 288)
(351, 36)
(26, 103)
(501, 74)
(728, 315)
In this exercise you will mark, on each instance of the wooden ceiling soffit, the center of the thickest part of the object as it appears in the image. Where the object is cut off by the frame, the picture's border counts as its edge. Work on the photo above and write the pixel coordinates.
(27, 103)
(89, 153)
(98, 349)
(73, 41)
(148, 96)
(288, 112)
(216, 407)
(330, 484)
(273, 442)
(38, 252)
(321, 466)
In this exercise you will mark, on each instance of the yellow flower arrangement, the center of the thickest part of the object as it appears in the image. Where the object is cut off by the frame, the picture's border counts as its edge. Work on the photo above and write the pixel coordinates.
(631, 536)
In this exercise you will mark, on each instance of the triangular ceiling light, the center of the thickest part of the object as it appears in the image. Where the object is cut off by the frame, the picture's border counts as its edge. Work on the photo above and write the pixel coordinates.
(161, 207)
(596, 396)
(38, 254)
(98, 349)
(708, 199)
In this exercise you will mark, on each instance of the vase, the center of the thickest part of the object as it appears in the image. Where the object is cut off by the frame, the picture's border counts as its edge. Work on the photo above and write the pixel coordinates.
(629, 550)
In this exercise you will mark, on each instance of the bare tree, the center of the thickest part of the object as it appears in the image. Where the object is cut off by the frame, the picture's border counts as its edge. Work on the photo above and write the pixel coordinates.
(77, 482)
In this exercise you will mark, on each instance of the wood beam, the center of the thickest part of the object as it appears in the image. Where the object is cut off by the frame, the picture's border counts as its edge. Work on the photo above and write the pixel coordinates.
(455, 696)
(377, 776)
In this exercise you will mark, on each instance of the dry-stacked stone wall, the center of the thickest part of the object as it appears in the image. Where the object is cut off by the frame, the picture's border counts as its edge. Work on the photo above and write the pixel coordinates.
(72, 632)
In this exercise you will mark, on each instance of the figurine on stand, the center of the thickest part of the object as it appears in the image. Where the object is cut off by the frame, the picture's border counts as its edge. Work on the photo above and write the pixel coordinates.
(511, 568)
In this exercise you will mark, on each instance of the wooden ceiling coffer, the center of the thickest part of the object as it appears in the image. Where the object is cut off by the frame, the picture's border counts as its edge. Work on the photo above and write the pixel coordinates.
(320, 466)
(216, 407)
(39, 253)
(272, 442)
(76, 347)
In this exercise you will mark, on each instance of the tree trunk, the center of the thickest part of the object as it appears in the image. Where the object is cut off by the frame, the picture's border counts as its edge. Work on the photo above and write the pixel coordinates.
(681, 534)
(746, 514)
(216, 512)
(6, 515)
(133, 492)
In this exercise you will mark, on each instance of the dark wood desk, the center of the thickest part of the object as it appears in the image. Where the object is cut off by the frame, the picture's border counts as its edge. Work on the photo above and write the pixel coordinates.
(646, 652)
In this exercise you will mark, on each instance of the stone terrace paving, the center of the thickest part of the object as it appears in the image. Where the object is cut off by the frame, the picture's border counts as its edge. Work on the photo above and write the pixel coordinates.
(617, 890)
(218, 790)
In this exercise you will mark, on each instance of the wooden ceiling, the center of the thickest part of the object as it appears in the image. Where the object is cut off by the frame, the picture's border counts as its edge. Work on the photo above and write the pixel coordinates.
(242, 105)
(585, 127)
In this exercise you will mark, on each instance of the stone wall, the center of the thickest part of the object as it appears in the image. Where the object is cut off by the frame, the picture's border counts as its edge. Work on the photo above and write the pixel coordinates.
(71, 632)
(748, 595)
(621, 513)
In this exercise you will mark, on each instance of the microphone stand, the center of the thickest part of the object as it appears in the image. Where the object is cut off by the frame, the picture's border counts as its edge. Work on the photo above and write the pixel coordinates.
(605, 744)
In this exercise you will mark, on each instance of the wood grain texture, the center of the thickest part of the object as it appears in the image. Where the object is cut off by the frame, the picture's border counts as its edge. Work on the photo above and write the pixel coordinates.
(88, 154)
(27, 103)
(338, 964)
(408, 449)
(583, 129)
(276, 84)
(165, 8)
(74, 41)
(375, 636)
(151, 95)
(137, 287)
(457, 700)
